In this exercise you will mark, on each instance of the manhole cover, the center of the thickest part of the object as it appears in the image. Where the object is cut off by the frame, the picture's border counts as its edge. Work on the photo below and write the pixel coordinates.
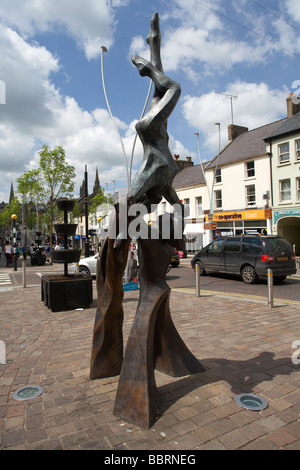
(251, 401)
(27, 392)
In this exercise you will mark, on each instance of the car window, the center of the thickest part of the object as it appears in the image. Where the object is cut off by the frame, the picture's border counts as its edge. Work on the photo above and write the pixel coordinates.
(251, 244)
(233, 244)
(277, 245)
(216, 246)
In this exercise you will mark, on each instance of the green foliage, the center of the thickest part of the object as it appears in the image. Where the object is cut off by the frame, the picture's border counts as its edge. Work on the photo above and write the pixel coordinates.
(97, 201)
(13, 207)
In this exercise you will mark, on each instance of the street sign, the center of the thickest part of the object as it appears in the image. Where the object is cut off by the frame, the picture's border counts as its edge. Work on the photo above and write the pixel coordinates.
(210, 226)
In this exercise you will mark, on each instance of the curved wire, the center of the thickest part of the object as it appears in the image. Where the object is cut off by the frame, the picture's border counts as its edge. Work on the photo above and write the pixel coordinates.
(103, 49)
(134, 143)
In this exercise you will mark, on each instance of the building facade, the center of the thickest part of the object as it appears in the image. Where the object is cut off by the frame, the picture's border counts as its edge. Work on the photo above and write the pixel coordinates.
(251, 186)
(283, 146)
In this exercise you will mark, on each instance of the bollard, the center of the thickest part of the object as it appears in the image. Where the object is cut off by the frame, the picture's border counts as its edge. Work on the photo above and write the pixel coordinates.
(270, 288)
(76, 268)
(24, 272)
(197, 271)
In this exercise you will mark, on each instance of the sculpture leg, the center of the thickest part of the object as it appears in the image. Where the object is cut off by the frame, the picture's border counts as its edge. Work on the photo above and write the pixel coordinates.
(107, 348)
(137, 398)
(172, 356)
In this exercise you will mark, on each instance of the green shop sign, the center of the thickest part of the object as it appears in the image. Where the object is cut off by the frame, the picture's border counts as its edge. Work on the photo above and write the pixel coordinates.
(289, 213)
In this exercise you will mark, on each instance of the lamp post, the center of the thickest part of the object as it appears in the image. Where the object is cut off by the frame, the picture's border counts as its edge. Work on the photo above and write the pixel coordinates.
(86, 243)
(14, 218)
(206, 184)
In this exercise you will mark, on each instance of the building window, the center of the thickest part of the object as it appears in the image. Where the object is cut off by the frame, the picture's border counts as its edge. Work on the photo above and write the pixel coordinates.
(284, 153)
(285, 190)
(298, 189)
(199, 210)
(218, 176)
(186, 203)
(298, 149)
(218, 199)
(250, 195)
(250, 169)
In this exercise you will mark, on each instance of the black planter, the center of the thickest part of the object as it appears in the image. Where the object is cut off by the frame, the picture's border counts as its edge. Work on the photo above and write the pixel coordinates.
(66, 292)
(62, 293)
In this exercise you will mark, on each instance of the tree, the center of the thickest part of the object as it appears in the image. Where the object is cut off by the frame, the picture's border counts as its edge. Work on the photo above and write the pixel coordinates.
(56, 179)
(97, 201)
(5, 216)
(30, 189)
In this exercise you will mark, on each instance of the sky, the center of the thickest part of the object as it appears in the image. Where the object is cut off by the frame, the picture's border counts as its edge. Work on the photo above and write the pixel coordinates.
(221, 52)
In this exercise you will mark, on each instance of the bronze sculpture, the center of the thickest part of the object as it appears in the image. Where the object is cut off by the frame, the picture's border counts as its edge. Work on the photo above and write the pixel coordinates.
(153, 341)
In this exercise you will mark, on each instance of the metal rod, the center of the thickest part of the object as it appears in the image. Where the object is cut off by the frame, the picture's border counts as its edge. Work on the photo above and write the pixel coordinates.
(24, 273)
(270, 288)
(103, 49)
(197, 271)
(86, 243)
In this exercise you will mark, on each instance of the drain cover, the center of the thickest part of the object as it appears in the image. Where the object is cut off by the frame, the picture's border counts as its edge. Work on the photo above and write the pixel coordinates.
(251, 401)
(27, 392)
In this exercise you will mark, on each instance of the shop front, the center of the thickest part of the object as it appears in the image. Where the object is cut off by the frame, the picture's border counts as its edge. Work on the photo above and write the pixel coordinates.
(286, 224)
(241, 222)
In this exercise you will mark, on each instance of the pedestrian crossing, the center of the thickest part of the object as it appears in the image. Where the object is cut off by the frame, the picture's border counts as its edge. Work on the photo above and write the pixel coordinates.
(5, 280)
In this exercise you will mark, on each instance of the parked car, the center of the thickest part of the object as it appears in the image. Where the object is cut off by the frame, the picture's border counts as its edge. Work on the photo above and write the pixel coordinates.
(249, 256)
(175, 260)
(86, 266)
(89, 265)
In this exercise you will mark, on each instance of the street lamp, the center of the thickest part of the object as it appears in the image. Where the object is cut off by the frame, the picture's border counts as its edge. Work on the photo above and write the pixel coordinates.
(206, 184)
(14, 218)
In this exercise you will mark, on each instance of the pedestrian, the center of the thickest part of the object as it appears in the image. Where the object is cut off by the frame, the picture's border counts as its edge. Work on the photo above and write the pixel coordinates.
(8, 250)
(0, 251)
(131, 268)
(47, 253)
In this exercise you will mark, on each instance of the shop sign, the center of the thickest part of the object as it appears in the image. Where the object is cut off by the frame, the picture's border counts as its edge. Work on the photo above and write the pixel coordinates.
(258, 214)
(285, 213)
(210, 226)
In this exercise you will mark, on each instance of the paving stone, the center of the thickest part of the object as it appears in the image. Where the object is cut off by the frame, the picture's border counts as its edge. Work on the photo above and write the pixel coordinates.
(199, 412)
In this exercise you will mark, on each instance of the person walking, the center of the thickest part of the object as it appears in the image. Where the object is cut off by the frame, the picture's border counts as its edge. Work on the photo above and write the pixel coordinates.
(8, 250)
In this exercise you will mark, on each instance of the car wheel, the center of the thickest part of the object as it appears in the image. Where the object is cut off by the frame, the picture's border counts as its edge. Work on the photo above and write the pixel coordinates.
(201, 267)
(249, 275)
(84, 270)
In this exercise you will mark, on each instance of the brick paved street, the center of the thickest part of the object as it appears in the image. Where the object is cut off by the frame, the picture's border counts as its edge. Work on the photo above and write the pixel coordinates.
(244, 346)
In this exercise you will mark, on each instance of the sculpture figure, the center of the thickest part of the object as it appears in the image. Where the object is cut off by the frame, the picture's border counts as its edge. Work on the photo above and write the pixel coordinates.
(153, 340)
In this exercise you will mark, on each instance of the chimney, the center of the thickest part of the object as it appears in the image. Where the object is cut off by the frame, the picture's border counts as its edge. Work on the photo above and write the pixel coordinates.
(183, 163)
(235, 131)
(292, 108)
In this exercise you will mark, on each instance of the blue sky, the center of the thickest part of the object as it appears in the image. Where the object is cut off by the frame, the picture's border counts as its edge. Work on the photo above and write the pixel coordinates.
(51, 68)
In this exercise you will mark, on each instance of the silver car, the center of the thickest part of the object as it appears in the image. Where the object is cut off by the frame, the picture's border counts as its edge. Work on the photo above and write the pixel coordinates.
(86, 266)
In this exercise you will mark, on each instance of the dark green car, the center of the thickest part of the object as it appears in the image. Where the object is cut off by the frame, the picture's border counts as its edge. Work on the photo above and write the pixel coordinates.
(249, 256)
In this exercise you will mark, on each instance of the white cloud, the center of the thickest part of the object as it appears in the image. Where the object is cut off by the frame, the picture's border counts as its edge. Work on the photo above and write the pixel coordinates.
(256, 106)
(90, 26)
(36, 113)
